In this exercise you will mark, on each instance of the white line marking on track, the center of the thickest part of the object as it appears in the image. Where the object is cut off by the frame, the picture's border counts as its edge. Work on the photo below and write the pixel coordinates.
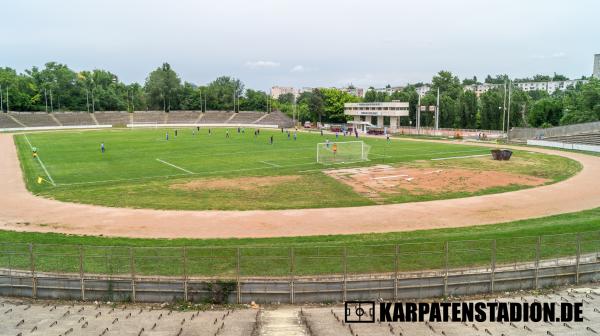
(41, 163)
(270, 164)
(458, 157)
(174, 166)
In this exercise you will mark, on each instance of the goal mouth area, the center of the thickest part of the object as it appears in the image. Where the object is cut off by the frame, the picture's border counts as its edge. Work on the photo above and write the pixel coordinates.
(342, 152)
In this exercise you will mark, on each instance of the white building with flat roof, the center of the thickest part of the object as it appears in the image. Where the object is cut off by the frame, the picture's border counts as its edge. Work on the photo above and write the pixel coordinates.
(597, 66)
(277, 91)
(364, 112)
(551, 86)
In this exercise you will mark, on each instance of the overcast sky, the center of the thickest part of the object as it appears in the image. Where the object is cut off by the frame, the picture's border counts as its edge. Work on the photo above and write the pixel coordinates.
(304, 42)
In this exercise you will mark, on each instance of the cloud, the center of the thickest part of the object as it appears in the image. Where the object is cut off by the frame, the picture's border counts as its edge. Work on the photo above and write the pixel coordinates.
(299, 68)
(560, 54)
(262, 64)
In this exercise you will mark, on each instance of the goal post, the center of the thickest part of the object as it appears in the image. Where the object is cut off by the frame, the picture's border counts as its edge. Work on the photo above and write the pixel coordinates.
(342, 152)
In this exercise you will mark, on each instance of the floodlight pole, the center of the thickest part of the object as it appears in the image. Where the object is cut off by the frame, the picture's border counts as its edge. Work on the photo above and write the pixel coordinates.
(46, 99)
(1, 102)
(51, 106)
(7, 107)
(437, 111)
(508, 114)
(418, 121)
(504, 107)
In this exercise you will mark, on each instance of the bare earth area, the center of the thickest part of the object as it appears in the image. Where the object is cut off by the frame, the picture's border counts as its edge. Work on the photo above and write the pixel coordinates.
(22, 211)
(240, 183)
(375, 181)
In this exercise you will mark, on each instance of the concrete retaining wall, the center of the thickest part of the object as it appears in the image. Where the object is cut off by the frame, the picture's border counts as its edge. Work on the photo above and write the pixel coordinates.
(522, 133)
(305, 289)
(201, 125)
(49, 128)
(554, 144)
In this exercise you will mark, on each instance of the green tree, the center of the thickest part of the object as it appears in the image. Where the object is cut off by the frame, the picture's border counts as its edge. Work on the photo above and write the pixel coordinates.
(468, 108)
(221, 92)
(491, 110)
(254, 100)
(286, 98)
(333, 104)
(162, 87)
(190, 97)
(545, 111)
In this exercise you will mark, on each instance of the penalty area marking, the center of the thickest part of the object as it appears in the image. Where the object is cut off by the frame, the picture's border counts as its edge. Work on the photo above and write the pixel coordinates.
(40, 161)
(459, 157)
(270, 164)
(174, 166)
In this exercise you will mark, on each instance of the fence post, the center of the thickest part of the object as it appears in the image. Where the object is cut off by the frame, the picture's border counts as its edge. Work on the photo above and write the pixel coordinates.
(345, 264)
(185, 274)
(396, 272)
(292, 275)
(81, 273)
(493, 267)
(445, 268)
(132, 266)
(237, 275)
(578, 259)
(538, 246)
(32, 269)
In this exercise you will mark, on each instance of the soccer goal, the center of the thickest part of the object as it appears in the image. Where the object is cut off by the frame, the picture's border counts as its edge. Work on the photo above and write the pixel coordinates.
(143, 124)
(342, 152)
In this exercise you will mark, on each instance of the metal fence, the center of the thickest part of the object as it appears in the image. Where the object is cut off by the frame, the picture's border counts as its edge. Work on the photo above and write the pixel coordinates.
(299, 273)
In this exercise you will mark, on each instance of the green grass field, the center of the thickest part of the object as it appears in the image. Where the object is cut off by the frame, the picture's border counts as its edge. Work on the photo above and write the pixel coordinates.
(365, 253)
(141, 169)
(130, 167)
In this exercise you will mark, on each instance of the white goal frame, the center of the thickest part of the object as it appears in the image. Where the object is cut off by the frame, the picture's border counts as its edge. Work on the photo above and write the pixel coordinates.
(364, 152)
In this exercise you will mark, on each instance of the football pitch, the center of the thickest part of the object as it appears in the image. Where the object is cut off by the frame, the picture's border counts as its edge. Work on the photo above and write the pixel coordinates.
(154, 172)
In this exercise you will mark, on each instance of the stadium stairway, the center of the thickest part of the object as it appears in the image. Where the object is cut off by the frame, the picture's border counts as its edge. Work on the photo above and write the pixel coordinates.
(120, 118)
(591, 138)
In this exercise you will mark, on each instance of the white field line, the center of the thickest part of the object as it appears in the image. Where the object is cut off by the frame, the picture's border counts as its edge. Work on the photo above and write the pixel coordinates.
(40, 161)
(176, 175)
(174, 166)
(249, 169)
(270, 164)
(459, 157)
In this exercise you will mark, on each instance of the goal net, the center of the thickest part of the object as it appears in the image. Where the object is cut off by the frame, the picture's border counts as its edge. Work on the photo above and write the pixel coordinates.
(342, 152)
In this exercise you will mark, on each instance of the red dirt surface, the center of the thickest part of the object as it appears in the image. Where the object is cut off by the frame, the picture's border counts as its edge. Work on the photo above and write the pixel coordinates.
(22, 211)
(377, 181)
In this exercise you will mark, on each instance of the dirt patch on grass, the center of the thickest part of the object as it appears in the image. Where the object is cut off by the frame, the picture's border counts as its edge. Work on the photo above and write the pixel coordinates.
(240, 183)
(377, 181)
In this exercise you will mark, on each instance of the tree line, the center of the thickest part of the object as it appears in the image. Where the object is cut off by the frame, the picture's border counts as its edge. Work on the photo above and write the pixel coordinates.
(58, 88)
(460, 108)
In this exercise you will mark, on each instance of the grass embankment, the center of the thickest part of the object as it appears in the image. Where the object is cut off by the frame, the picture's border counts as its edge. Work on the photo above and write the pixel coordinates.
(366, 253)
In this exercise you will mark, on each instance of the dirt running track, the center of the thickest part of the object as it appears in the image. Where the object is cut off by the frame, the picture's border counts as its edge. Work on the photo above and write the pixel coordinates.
(18, 206)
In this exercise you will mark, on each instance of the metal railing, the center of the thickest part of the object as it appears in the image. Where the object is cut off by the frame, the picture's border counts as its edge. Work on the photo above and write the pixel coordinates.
(395, 264)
